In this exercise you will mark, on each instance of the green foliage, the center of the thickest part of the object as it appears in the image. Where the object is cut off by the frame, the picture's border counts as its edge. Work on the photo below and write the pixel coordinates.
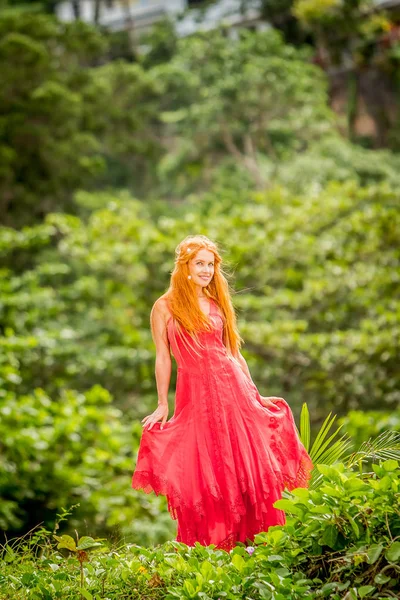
(327, 448)
(71, 121)
(160, 44)
(46, 149)
(339, 541)
(343, 26)
(315, 254)
(80, 548)
(363, 425)
(270, 100)
(313, 301)
(316, 293)
(56, 450)
(161, 127)
(62, 440)
(336, 159)
(74, 447)
(385, 446)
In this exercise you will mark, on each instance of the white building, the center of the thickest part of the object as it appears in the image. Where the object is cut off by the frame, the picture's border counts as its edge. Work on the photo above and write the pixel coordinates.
(191, 16)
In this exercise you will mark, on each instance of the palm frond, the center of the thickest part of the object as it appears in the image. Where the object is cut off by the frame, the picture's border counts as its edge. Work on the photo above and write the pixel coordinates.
(336, 452)
(385, 446)
(328, 448)
(305, 428)
(324, 450)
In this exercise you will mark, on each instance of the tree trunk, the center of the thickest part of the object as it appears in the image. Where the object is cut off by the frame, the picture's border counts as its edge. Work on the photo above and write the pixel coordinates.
(97, 10)
(76, 8)
(130, 27)
(352, 103)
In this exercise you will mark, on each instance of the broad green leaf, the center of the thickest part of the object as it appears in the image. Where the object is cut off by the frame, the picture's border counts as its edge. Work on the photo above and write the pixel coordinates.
(238, 562)
(393, 552)
(329, 536)
(365, 590)
(86, 542)
(390, 465)
(288, 506)
(381, 578)
(66, 541)
(374, 553)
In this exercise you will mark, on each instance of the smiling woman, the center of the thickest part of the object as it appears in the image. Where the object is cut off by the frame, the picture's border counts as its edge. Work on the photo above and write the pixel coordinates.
(201, 269)
(227, 453)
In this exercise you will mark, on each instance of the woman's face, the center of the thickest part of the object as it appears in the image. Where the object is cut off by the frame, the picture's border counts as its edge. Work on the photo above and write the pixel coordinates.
(201, 267)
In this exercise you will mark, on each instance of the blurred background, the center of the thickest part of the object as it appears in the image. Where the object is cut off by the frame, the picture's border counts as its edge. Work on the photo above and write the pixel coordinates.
(271, 126)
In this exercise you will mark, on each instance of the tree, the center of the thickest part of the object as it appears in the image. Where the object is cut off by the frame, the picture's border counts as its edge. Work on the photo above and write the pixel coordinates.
(67, 121)
(347, 35)
(46, 151)
(244, 97)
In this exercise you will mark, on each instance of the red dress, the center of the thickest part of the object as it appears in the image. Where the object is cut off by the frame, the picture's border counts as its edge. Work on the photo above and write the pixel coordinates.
(222, 459)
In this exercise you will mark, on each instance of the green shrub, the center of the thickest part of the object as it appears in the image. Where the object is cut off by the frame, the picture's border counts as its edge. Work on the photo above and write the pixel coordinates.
(362, 425)
(340, 541)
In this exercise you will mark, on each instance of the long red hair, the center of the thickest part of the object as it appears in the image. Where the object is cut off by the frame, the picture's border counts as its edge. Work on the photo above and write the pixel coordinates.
(182, 298)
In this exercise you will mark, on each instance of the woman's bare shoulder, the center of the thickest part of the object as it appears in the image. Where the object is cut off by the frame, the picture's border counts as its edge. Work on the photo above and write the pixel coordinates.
(160, 308)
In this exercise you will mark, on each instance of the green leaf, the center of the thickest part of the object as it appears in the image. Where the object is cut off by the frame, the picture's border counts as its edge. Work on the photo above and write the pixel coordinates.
(390, 465)
(191, 587)
(238, 562)
(87, 595)
(374, 553)
(393, 552)
(288, 506)
(321, 437)
(354, 526)
(275, 557)
(333, 492)
(305, 428)
(86, 542)
(381, 578)
(66, 541)
(173, 116)
(365, 590)
(329, 536)
(207, 570)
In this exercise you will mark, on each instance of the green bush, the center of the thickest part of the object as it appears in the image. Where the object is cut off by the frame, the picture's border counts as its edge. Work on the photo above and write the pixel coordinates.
(339, 541)
(73, 448)
(363, 425)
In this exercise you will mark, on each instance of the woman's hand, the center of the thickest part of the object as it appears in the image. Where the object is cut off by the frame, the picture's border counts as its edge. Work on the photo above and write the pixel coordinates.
(269, 401)
(160, 414)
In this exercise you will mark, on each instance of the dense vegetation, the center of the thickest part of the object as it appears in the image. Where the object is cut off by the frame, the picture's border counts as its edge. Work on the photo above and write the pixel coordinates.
(340, 541)
(106, 162)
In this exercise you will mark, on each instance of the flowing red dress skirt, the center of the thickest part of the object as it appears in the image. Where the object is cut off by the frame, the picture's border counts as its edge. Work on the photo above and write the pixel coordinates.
(223, 459)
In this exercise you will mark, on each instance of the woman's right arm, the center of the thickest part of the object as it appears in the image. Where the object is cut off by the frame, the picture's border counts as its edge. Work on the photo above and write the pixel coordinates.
(163, 366)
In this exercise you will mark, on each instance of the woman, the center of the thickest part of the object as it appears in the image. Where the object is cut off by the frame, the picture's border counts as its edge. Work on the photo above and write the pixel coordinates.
(227, 453)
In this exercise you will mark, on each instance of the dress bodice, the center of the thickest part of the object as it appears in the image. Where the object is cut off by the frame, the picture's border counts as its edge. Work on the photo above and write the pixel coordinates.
(210, 354)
